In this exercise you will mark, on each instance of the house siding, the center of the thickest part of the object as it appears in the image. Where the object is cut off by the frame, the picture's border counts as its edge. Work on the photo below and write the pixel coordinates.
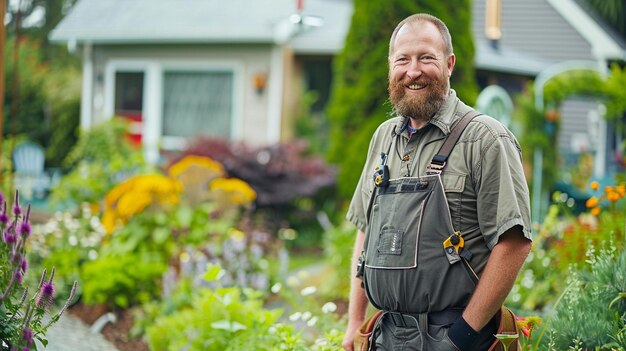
(525, 25)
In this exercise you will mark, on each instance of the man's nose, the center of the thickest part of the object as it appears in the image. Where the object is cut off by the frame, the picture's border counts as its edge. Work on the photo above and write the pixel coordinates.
(414, 70)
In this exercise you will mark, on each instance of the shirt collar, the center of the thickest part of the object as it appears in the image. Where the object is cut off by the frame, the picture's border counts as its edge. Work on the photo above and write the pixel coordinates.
(446, 115)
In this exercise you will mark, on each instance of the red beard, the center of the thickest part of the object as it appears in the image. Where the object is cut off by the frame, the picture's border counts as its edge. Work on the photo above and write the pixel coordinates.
(421, 107)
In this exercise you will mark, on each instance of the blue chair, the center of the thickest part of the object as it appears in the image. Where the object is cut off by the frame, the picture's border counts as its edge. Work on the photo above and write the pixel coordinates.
(30, 177)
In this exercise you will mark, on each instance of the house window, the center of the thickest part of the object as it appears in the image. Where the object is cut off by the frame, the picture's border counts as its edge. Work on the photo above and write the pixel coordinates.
(197, 103)
(129, 101)
(128, 93)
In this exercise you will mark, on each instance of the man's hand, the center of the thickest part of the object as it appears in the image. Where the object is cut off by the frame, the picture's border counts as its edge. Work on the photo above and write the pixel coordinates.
(348, 339)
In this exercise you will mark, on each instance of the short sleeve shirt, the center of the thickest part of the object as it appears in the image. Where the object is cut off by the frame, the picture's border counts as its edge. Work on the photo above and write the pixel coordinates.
(483, 179)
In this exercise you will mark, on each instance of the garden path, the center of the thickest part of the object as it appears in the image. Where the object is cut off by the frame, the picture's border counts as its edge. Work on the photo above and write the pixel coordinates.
(71, 334)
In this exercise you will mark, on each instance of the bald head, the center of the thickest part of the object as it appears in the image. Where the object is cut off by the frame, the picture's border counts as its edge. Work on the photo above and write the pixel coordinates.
(418, 19)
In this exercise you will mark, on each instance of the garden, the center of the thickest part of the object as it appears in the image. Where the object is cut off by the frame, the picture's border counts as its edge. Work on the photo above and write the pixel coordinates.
(216, 250)
(230, 246)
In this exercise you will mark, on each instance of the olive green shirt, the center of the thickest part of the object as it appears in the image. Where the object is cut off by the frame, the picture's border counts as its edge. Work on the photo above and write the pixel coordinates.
(484, 179)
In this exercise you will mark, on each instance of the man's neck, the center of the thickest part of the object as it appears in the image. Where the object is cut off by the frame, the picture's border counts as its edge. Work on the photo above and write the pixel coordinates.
(417, 123)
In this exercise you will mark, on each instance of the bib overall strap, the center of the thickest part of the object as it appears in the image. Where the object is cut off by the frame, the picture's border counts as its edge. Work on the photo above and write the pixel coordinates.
(441, 158)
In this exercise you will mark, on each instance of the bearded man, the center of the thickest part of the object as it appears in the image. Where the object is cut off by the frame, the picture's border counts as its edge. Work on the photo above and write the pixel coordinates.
(442, 208)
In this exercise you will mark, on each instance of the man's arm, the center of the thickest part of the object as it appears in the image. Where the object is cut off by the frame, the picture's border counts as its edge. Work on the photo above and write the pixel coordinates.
(358, 301)
(498, 277)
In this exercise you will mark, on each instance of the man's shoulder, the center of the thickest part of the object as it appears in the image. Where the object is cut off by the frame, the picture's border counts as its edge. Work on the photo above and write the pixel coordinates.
(388, 127)
(485, 124)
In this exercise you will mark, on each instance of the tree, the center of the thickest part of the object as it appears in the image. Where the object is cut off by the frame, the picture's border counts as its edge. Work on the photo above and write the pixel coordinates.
(359, 101)
(613, 11)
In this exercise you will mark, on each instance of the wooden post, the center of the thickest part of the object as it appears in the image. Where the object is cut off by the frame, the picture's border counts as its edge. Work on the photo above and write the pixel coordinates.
(3, 10)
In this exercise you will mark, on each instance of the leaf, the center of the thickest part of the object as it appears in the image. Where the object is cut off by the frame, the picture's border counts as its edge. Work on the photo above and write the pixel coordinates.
(228, 325)
(161, 235)
(213, 272)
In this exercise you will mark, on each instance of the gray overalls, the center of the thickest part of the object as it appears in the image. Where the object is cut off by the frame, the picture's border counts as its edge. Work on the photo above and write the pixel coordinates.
(411, 268)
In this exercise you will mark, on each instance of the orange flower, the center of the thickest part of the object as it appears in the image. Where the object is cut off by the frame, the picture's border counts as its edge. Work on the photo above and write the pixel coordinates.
(595, 211)
(594, 185)
(612, 196)
(621, 190)
(592, 202)
(608, 189)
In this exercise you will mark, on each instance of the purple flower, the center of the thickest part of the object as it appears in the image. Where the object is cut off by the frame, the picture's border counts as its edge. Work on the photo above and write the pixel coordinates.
(17, 210)
(27, 335)
(4, 218)
(24, 229)
(9, 238)
(45, 294)
(23, 264)
(19, 276)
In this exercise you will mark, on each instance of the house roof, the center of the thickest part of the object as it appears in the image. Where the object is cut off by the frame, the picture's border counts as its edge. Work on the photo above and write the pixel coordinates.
(524, 48)
(205, 21)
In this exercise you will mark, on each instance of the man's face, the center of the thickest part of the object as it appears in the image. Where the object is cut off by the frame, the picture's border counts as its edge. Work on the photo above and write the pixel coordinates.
(419, 71)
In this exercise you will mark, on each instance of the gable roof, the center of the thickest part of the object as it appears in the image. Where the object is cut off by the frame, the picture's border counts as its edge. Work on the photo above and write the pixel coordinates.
(525, 47)
(203, 21)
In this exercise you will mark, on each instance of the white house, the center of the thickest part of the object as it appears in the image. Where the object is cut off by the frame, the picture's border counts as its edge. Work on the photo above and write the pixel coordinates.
(236, 68)
(179, 68)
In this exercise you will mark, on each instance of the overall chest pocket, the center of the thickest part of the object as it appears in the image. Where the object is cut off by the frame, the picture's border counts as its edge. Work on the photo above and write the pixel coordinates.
(393, 232)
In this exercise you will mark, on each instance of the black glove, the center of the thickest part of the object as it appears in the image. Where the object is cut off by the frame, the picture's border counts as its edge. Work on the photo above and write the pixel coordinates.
(462, 335)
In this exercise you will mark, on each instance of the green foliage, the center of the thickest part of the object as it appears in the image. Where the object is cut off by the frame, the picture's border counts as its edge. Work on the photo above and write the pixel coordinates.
(338, 248)
(538, 134)
(122, 280)
(101, 158)
(30, 119)
(62, 90)
(24, 315)
(593, 311)
(358, 102)
(67, 243)
(48, 104)
(311, 126)
(613, 11)
(217, 318)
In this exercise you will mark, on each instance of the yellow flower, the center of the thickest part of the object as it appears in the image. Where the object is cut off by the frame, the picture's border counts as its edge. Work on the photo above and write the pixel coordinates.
(135, 195)
(236, 234)
(238, 191)
(595, 211)
(592, 202)
(594, 185)
(205, 163)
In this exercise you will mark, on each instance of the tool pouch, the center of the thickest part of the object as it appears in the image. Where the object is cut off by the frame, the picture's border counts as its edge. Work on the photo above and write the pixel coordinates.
(363, 337)
(506, 325)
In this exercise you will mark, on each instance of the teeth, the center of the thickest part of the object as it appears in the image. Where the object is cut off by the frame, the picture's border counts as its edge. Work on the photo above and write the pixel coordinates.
(415, 86)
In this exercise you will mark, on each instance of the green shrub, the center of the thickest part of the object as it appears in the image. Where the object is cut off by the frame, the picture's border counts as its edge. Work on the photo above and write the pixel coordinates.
(593, 310)
(101, 158)
(121, 281)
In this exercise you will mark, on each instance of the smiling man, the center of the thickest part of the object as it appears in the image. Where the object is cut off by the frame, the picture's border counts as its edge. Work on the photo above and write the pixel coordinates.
(442, 208)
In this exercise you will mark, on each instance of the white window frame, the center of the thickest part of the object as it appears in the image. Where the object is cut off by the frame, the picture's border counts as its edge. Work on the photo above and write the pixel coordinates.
(154, 70)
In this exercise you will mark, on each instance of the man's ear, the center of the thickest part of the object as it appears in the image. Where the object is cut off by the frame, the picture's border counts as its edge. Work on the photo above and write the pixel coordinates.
(450, 63)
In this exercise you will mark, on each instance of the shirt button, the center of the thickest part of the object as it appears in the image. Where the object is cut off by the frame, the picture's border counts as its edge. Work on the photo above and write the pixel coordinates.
(406, 158)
